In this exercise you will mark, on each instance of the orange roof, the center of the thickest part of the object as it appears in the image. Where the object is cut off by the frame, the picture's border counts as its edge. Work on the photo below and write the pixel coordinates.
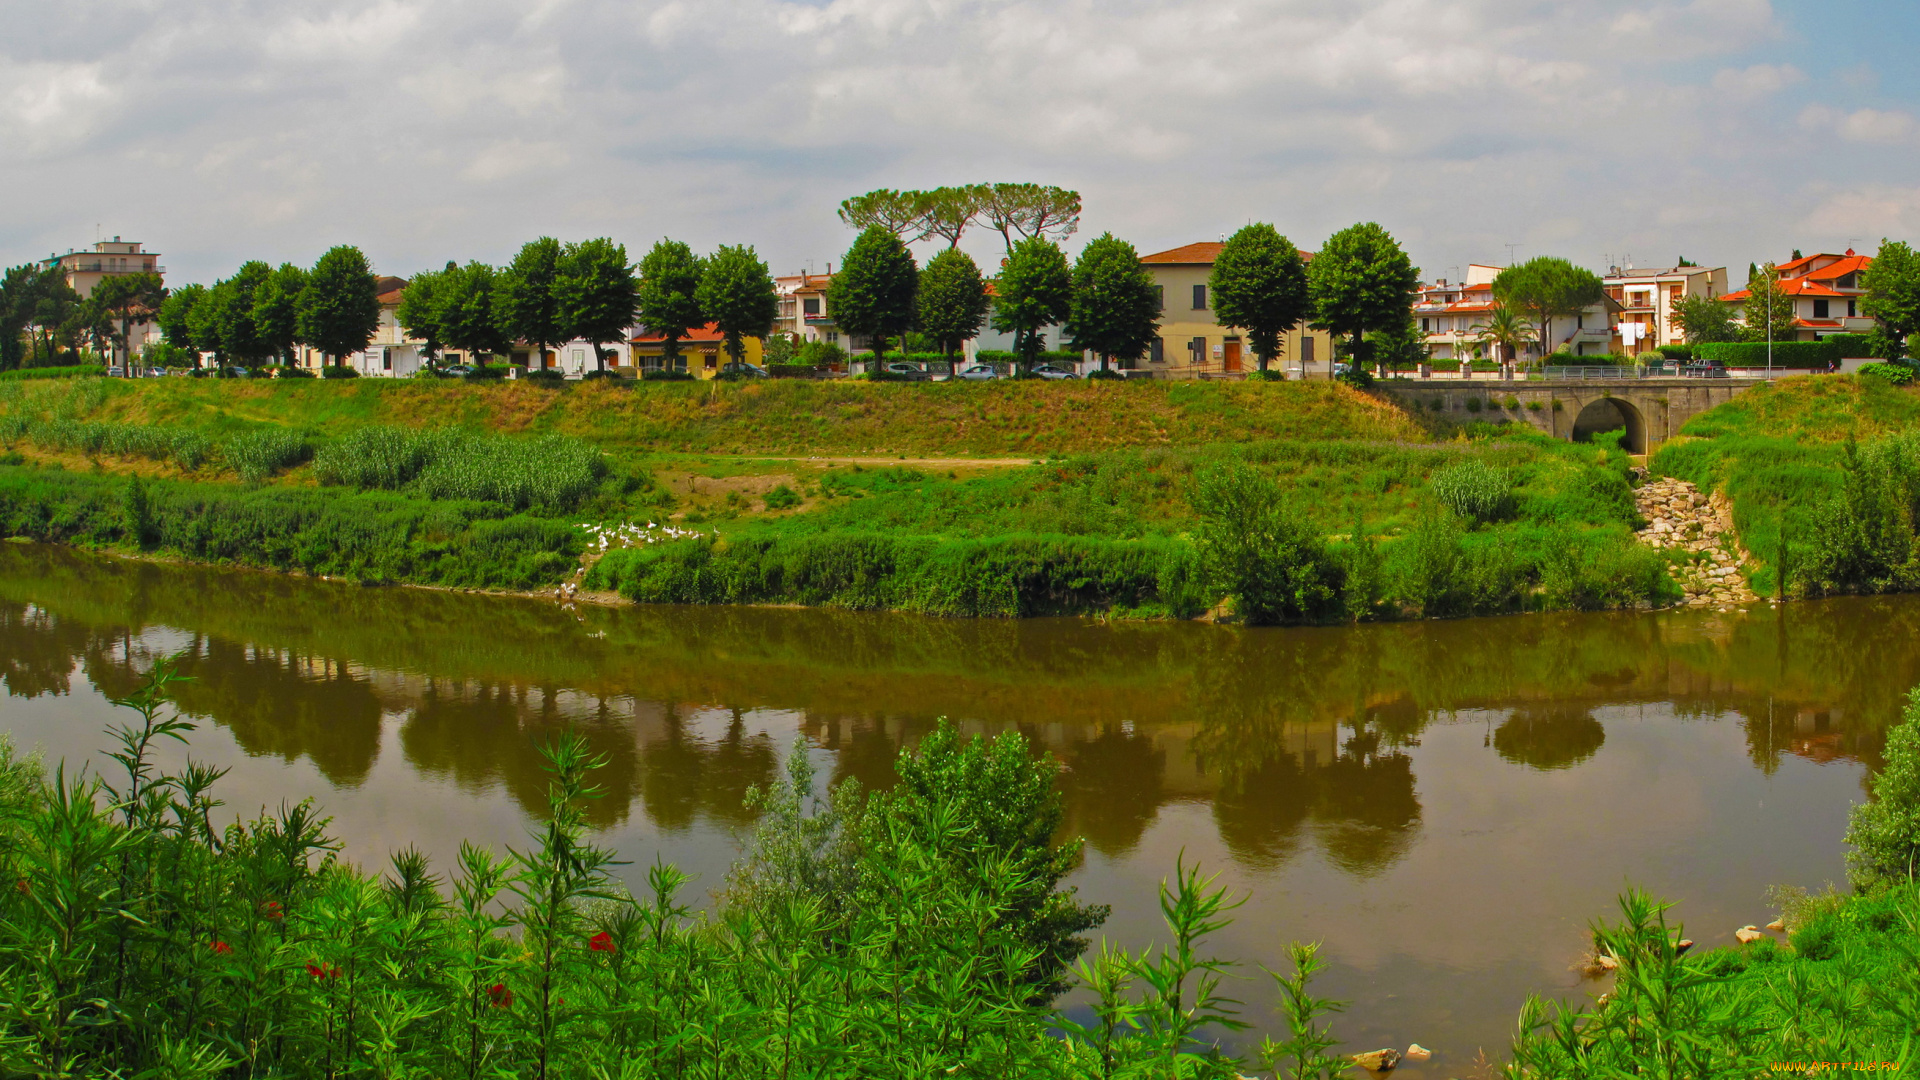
(1799, 286)
(1849, 265)
(1200, 254)
(709, 332)
(1817, 324)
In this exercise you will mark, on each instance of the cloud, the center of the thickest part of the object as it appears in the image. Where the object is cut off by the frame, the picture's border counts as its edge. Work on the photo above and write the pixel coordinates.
(1861, 125)
(1870, 210)
(434, 129)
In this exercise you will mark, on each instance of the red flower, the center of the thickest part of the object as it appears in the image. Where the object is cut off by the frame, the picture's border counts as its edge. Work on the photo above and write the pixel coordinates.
(602, 942)
(221, 948)
(323, 971)
(271, 909)
(500, 996)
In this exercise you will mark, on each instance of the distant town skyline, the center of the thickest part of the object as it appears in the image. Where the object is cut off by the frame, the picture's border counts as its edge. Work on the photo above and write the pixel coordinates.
(1725, 131)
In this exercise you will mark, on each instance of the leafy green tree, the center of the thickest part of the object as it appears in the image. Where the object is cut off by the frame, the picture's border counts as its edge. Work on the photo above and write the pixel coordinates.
(419, 311)
(736, 291)
(176, 318)
(1548, 288)
(1257, 553)
(952, 301)
(1705, 319)
(898, 212)
(123, 298)
(873, 294)
(1892, 282)
(1034, 291)
(946, 212)
(525, 301)
(1398, 346)
(1259, 284)
(232, 308)
(1361, 281)
(464, 298)
(667, 302)
(340, 306)
(1768, 310)
(596, 294)
(54, 307)
(1115, 309)
(276, 310)
(18, 291)
(1506, 330)
(1885, 831)
(1034, 211)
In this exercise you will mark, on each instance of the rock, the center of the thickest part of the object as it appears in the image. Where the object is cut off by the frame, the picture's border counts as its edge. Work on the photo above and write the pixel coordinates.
(1605, 961)
(1680, 947)
(1416, 1052)
(1777, 925)
(1378, 1060)
(1747, 935)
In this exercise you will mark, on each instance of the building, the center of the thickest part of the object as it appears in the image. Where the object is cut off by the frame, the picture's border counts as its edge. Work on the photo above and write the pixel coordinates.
(702, 351)
(109, 258)
(1649, 297)
(1193, 344)
(803, 308)
(1452, 315)
(1826, 292)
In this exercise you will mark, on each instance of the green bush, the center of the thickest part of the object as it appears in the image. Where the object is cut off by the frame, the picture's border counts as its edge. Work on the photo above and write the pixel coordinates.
(1816, 355)
(1110, 373)
(292, 373)
(1884, 831)
(820, 354)
(1675, 352)
(544, 376)
(338, 371)
(782, 498)
(1891, 374)
(1474, 490)
(665, 375)
(1255, 552)
(1863, 536)
(259, 454)
(1852, 346)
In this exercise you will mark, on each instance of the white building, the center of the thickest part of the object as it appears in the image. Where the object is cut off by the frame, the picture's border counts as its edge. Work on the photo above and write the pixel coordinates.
(1452, 315)
(1648, 298)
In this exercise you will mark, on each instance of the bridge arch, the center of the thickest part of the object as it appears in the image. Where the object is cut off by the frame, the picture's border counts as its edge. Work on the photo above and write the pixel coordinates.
(1611, 414)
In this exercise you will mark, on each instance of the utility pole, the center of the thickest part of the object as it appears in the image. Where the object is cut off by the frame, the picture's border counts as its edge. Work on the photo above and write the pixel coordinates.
(1769, 284)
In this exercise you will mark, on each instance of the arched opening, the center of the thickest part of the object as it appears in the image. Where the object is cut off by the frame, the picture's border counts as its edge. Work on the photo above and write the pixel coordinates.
(1612, 414)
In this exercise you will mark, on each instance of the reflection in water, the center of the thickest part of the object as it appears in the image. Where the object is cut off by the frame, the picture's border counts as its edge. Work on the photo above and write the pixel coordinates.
(1549, 738)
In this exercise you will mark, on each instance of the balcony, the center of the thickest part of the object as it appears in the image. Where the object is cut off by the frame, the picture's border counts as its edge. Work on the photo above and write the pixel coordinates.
(98, 267)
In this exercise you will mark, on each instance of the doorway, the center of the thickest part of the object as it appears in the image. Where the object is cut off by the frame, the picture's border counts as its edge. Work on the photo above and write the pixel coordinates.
(1232, 356)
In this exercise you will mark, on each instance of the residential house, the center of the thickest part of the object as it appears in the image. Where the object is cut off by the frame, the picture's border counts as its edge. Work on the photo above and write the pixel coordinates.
(111, 258)
(1649, 297)
(702, 352)
(1193, 344)
(1453, 313)
(803, 308)
(1826, 294)
(396, 354)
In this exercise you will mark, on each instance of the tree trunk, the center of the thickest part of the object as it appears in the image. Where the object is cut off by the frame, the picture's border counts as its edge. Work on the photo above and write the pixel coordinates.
(1353, 362)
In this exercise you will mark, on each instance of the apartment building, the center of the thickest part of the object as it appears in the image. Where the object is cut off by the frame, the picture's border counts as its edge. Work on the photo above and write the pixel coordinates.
(1192, 342)
(1452, 315)
(108, 258)
(803, 308)
(1648, 298)
(1826, 294)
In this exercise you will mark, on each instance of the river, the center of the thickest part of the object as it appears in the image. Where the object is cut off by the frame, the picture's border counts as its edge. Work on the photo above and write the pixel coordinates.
(1445, 805)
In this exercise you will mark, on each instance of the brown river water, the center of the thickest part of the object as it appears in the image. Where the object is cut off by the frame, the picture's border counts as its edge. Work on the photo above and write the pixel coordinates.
(1444, 805)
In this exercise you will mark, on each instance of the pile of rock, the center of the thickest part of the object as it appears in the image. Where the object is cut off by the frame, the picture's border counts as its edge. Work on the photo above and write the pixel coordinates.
(1681, 516)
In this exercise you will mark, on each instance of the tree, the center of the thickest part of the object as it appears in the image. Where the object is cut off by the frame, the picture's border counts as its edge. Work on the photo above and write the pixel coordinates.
(1031, 210)
(666, 303)
(1548, 288)
(595, 291)
(736, 291)
(204, 325)
(419, 311)
(898, 212)
(124, 298)
(947, 211)
(177, 318)
(230, 315)
(1361, 281)
(1115, 309)
(1768, 310)
(276, 310)
(18, 290)
(1259, 284)
(1401, 346)
(952, 302)
(54, 305)
(873, 294)
(463, 300)
(1705, 319)
(1034, 291)
(340, 307)
(1505, 329)
(524, 302)
(1892, 282)
(1885, 832)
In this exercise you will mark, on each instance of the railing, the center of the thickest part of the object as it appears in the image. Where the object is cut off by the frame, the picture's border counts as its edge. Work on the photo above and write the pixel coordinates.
(1594, 374)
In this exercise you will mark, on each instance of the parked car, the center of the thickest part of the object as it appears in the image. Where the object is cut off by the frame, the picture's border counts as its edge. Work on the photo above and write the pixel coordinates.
(1052, 371)
(977, 372)
(235, 371)
(458, 369)
(1705, 369)
(908, 372)
(740, 369)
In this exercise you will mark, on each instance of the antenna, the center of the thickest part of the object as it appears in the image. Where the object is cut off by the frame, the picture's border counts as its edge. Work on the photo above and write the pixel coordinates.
(1510, 248)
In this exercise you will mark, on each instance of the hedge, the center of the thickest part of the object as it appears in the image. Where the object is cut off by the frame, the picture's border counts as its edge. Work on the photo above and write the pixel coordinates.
(1852, 346)
(1786, 354)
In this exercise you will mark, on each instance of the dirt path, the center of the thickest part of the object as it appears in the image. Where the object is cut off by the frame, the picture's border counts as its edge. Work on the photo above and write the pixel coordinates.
(929, 462)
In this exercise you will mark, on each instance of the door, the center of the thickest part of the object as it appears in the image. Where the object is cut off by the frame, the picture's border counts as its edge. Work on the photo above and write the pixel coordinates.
(1232, 356)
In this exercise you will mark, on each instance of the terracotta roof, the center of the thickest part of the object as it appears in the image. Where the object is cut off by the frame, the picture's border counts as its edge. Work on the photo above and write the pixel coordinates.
(1799, 286)
(1852, 264)
(1739, 294)
(391, 299)
(1200, 254)
(1817, 324)
(709, 332)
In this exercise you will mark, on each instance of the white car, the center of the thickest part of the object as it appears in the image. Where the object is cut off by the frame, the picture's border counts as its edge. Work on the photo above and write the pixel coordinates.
(907, 372)
(1052, 371)
(977, 372)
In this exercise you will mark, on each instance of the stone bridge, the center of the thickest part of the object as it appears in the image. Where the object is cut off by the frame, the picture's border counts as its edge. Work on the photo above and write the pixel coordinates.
(1651, 410)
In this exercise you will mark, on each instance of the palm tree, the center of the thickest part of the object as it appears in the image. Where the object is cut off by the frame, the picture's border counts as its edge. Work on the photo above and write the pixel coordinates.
(1507, 329)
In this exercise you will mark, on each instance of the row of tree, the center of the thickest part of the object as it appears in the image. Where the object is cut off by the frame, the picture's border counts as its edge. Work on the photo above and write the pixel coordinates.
(41, 316)
(261, 314)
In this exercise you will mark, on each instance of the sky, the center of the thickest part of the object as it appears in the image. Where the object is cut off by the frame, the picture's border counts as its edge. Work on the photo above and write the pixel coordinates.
(216, 131)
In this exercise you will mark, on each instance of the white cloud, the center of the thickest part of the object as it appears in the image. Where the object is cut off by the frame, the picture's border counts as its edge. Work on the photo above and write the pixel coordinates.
(1872, 211)
(1760, 80)
(1861, 125)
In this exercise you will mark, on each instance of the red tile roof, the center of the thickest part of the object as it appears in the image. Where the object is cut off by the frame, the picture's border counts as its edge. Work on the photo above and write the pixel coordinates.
(1200, 254)
(709, 332)
(1850, 265)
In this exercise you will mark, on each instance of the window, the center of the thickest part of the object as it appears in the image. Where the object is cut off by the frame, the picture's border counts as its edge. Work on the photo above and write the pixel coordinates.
(1157, 351)
(386, 359)
(1160, 297)
(811, 305)
(1579, 322)
(1821, 309)
(1852, 310)
(1424, 327)
(1199, 298)
(1306, 348)
(579, 357)
(1197, 348)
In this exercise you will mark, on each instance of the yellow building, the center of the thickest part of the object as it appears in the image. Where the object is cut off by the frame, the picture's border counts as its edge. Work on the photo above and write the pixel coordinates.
(703, 352)
(1192, 342)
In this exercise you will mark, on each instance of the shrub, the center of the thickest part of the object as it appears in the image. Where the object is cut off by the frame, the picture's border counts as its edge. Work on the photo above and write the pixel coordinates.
(1885, 831)
(1676, 352)
(259, 454)
(782, 498)
(1255, 552)
(1650, 358)
(1109, 373)
(338, 371)
(544, 376)
(820, 354)
(665, 375)
(1892, 374)
(1863, 536)
(587, 376)
(1852, 346)
(1786, 354)
(1473, 405)
(293, 373)
(1474, 490)
(1434, 571)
